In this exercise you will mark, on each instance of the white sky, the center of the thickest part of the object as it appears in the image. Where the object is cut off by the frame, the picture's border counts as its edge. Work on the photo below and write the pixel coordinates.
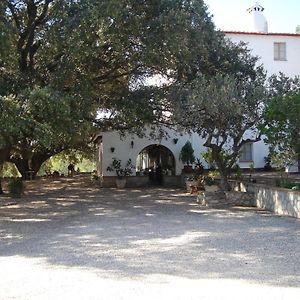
(282, 16)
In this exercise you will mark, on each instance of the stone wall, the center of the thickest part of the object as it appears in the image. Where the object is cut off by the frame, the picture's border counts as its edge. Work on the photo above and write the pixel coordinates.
(279, 200)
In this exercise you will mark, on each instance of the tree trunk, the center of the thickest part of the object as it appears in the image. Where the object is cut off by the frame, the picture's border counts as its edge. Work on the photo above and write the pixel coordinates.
(37, 160)
(217, 157)
(225, 186)
(29, 168)
(22, 165)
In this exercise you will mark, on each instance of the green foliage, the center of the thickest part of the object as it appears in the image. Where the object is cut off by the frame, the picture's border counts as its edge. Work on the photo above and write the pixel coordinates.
(187, 153)
(16, 186)
(65, 60)
(9, 170)
(281, 160)
(268, 160)
(82, 162)
(222, 109)
(116, 166)
(207, 156)
(282, 122)
(290, 185)
(238, 173)
(213, 174)
(45, 101)
(62, 61)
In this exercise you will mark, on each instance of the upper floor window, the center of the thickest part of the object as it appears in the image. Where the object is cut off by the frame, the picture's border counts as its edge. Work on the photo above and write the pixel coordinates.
(279, 51)
(246, 152)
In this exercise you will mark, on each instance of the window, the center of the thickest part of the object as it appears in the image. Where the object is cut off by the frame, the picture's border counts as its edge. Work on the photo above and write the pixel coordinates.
(246, 152)
(279, 51)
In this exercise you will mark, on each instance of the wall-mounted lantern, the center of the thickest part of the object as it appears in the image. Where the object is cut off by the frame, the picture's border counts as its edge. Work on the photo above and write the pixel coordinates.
(175, 141)
(112, 149)
(132, 144)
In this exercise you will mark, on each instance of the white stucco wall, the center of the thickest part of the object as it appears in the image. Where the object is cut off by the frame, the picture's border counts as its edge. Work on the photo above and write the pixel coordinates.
(124, 150)
(262, 45)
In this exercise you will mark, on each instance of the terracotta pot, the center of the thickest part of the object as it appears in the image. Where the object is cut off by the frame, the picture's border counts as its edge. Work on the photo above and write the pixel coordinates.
(187, 169)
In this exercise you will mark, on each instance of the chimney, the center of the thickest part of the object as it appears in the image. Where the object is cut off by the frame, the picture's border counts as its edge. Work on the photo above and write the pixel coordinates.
(260, 23)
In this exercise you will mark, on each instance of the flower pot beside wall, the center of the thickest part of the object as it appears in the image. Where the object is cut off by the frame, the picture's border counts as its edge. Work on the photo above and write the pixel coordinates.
(121, 183)
(121, 172)
(187, 169)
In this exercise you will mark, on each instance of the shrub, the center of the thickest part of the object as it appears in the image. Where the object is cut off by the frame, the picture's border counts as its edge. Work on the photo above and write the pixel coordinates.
(116, 165)
(187, 153)
(291, 185)
(16, 186)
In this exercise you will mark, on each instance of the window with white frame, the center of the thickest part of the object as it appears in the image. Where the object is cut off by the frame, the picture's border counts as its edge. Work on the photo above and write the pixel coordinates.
(246, 152)
(279, 51)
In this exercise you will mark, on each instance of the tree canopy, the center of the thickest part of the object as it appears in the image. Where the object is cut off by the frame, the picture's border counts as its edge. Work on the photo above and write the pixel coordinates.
(69, 67)
(225, 112)
(282, 122)
(62, 61)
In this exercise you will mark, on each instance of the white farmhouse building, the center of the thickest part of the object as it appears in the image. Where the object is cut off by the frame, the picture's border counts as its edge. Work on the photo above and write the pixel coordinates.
(278, 52)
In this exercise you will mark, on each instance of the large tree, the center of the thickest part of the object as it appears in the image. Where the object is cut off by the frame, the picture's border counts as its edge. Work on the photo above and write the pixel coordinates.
(63, 60)
(225, 109)
(53, 113)
(10, 128)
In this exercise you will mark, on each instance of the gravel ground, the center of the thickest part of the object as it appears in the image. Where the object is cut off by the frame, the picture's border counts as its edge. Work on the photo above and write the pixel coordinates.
(78, 242)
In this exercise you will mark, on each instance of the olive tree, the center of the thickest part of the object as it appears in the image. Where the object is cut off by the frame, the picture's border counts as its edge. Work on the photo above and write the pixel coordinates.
(225, 110)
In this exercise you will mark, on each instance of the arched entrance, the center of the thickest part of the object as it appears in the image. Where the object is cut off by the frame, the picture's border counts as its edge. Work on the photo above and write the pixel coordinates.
(155, 161)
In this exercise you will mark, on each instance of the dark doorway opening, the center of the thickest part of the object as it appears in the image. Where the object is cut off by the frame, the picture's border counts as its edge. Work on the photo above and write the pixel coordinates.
(155, 161)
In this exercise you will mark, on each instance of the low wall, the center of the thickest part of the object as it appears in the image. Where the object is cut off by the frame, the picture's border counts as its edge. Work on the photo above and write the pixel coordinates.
(278, 200)
(142, 181)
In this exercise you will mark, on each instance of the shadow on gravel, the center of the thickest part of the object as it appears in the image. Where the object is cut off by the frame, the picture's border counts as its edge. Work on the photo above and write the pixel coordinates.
(139, 232)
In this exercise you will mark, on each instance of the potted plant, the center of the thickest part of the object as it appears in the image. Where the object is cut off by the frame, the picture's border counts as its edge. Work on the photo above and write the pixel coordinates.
(187, 157)
(210, 184)
(16, 187)
(116, 166)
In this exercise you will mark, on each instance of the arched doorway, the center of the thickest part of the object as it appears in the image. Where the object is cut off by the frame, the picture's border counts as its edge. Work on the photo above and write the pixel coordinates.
(155, 161)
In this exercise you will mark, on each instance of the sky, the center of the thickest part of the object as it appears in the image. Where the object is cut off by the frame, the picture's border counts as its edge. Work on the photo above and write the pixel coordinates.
(282, 15)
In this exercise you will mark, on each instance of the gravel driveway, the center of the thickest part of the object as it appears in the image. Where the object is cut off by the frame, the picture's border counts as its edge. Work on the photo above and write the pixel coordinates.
(87, 243)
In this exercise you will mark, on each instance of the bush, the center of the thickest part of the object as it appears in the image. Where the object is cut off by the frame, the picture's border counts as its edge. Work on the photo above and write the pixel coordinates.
(291, 185)
(213, 174)
(187, 154)
(16, 186)
(9, 170)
